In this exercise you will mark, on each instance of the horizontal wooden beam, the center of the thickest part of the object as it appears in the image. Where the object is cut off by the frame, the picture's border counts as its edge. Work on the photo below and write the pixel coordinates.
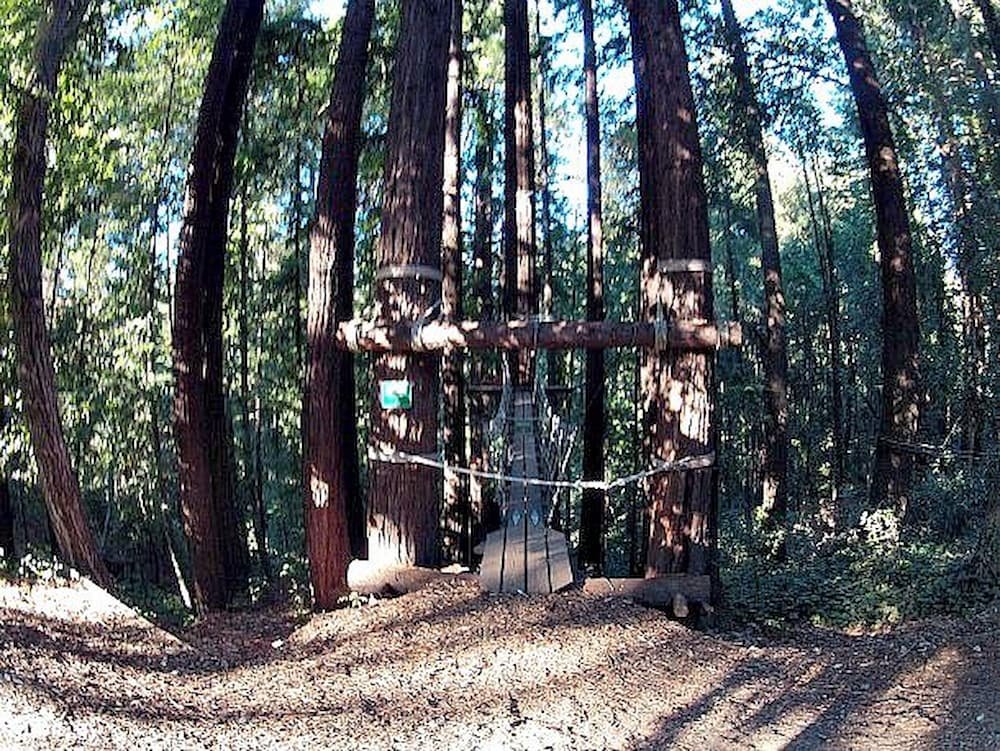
(673, 590)
(436, 336)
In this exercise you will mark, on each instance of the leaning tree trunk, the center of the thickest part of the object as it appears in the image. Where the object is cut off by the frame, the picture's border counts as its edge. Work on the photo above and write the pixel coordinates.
(403, 498)
(520, 294)
(456, 518)
(331, 475)
(774, 498)
(60, 486)
(211, 518)
(591, 550)
(901, 389)
(676, 284)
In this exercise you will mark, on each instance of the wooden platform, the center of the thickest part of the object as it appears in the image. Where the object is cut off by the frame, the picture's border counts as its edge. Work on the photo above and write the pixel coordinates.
(524, 555)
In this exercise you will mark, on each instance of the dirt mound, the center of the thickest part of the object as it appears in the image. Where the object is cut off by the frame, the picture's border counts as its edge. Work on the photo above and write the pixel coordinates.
(451, 667)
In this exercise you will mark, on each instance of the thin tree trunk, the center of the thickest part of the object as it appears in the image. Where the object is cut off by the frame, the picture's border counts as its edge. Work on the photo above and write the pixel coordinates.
(483, 509)
(60, 486)
(591, 549)
(822, 233)
(774, 498)
(553, 377)
(901, 390)
(676, 284)
(456, 519)
(403, 499)
(520, 294)
(332, 493)
(218, 545)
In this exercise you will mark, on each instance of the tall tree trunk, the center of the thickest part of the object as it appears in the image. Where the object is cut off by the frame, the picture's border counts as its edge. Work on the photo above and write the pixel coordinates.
(332, 492)
(403, 499)
(520, 294)
(831, 295)
(678, 387)
(774, 498)
(211, 519)
(547, 301)
(251, 481)
(483, 363)
(456, 519)
(60, 486)
(901, 389)
(591, 550)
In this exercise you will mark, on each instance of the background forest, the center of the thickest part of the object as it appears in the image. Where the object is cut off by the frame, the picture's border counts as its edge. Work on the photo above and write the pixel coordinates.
(120, 139)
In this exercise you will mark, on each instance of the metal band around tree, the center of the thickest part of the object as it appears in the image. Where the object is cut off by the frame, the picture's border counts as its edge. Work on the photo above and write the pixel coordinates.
(409, 271)
(681, 265)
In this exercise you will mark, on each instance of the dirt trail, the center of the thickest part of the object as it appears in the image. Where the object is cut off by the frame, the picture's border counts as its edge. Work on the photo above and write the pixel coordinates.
(452, 668)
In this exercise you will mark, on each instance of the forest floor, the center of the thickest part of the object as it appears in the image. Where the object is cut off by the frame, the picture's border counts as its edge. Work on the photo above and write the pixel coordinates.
(452, 668)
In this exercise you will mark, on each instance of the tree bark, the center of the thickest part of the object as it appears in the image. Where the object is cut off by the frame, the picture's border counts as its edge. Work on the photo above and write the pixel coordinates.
(520, 293)
(901, 390)
(774, 495)
(678, 387)
(211, 517)
(332, 486)
(483, 509)
(436, 336)
(403, 499)
(591, 548)
(456, 545)
(59, 483)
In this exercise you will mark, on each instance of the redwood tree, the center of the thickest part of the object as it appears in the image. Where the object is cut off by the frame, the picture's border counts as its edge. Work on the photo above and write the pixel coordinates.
(901, 387)
(675, 277)
(520, 295)
(211, 517)
(36, 373)
(332, 481)
(456, 509)
(592, 510)
(403, 498)
(774, 353)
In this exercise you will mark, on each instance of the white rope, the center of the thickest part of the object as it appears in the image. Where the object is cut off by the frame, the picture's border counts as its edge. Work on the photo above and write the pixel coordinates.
(433, 461)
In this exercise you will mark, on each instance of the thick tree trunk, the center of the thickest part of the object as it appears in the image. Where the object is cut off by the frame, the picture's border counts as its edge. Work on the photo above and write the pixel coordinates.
(520, 293)
(332, 487)
(403, 499)
(901, 389)
(60, 487)
(774, 497)
(211, 518)
(677, 387)
(591, 549)
(456, 519)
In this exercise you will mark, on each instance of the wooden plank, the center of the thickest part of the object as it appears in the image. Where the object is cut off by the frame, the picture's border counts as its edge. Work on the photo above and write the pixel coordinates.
(537, 562)
(514, 578)
(489, 569)
(659, 590)
(560, 570)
